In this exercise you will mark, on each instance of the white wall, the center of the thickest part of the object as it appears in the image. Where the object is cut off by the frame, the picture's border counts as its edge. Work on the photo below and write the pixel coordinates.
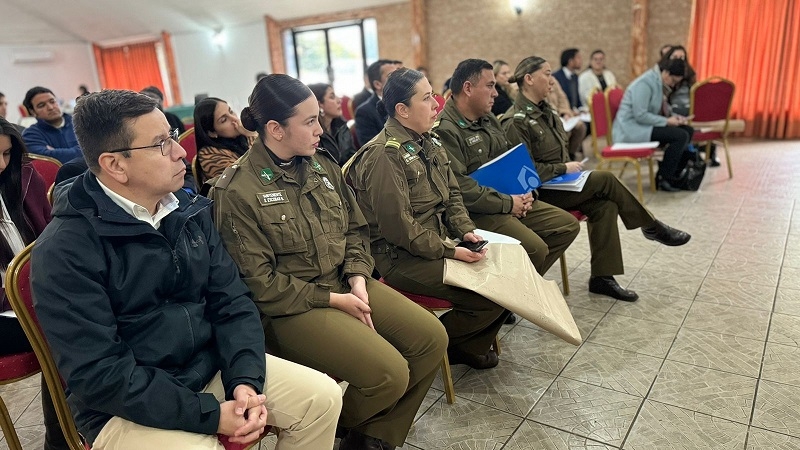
(72, 65)
(227, 71)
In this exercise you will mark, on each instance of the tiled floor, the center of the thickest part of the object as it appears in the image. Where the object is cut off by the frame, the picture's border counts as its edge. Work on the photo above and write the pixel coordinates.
(708, 357)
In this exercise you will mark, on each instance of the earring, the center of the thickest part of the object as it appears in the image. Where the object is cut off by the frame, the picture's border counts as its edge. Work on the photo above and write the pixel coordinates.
(321, 112)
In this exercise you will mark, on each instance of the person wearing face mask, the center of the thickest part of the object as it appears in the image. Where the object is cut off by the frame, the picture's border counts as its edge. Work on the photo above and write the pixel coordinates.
(644, 115)
(412, 202)
(336, 137)
(301, 243)
(603, 197)
(219, 136)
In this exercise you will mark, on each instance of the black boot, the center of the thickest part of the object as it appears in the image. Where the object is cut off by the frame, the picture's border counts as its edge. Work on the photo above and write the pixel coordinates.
(357, 441)
(714, 160)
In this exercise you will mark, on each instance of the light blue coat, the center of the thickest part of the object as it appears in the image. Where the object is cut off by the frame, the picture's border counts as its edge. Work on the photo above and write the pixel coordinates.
(639, 111)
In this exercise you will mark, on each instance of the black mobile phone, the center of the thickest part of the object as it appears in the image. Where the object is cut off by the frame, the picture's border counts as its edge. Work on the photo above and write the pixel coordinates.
(473, 246)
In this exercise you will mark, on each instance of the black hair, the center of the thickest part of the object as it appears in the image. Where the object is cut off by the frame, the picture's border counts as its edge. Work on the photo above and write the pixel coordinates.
(154, 90)
(11, 190)
(400, 87)
(102, 121)
(596, 52)
(275, 97)
(468, 70)
(675, 67)
(319, 90)
(204, 123)
(374, 70)
(528, 65)
(568, 54)
(2, 95)
(33, 92)
(690, 77)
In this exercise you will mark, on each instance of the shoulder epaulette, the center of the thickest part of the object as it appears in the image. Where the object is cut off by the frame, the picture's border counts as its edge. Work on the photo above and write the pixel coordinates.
(393, 143)
(325, 152)
(222, 181)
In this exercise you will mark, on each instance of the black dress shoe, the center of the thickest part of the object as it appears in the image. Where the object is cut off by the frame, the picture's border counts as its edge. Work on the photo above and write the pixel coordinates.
(609, 286)
(478, 362)
(511, 319)
(357, 441)
(666, 186)
(665, 234)
(715, 162)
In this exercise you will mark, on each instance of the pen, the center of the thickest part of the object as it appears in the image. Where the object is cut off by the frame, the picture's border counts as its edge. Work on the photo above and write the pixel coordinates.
(585, 160)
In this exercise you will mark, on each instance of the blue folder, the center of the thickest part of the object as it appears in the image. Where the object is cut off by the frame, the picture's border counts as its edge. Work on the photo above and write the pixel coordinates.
(511, 173)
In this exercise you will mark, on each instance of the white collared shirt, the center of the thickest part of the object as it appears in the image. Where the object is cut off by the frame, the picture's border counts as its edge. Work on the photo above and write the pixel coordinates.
(165, 206)
(567, 72)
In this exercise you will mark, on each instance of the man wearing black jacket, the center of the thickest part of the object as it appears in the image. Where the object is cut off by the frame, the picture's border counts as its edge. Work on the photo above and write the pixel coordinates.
(150, 325)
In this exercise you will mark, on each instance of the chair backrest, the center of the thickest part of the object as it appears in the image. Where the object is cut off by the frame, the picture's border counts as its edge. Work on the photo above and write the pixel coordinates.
(197, 172)
(598, 110)
(711, 99)
(188, 143)
(46, 166)
(347, 108)
(18, 292)
(440, 101)
(614, 98)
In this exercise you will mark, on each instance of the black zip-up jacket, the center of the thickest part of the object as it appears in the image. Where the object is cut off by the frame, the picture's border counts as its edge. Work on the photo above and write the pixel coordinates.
(139, 320)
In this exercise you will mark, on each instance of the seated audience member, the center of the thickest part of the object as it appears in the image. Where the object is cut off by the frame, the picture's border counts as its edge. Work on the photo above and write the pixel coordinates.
(603, 197)
(567, 76)
(336, 136)
(219, 135)
(663, 51)
(301, 243)
(4, 112)
(558, 101)
(173, 120)
(595, 77)
(26, 211)
(472, 136)
(52, 135)
(424, 71)
(164, 348)
(369, 122)
(365, 93)
(644, 116)
(505, 90)
(412, 203)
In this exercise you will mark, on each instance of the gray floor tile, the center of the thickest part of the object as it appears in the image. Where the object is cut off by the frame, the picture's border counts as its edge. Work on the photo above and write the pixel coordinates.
(782, 364)
(30, 382)
(612, 368)
(31, 438)
(537, 349)
(461, 426)
(758, 242)
(18, 400)
(785, 329)
(635, 335)
(662, 427)
(456, 371)
(718, 351)
(656, 309)
(737, 293)
(580, 297)
(431, 397)
(778, 408)
(33, 413)
(743, 322)
(759, 439)
(676, 260)
(709, 391)
(757, 273)
(654, 280)
(744, 255)
(790, 278)
(787, 301)
(760, 225)
(535, 436)
(509, 387)
(579, 408)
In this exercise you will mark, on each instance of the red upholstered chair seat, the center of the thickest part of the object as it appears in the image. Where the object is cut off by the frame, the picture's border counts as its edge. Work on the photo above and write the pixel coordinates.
(630, 153)
(707, 136)
(18, 366)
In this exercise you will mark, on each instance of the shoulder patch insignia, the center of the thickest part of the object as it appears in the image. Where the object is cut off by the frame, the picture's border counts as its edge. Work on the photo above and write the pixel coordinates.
(316, 166)
(529, 108)
(410, 148)
(436, 141)
(462, 123)
(267, 175)
(436, 124)
(328, 183)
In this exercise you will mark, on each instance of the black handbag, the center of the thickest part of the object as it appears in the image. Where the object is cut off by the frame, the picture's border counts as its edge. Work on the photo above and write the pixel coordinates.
(693, 172)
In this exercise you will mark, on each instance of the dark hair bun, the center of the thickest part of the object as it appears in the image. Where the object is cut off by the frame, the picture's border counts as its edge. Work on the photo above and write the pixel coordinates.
(248, 121)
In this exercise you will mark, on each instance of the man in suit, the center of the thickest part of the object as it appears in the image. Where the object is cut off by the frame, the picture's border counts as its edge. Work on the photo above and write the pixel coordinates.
(365, 93)
(368, 121)
(567, 76)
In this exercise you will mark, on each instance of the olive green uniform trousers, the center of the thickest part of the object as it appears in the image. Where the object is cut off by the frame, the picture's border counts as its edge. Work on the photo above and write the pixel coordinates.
(603, 199)
(388, 371)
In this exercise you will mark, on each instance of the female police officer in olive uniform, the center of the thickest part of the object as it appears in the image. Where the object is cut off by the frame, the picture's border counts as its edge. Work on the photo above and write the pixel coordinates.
(412, 202)
(300, 241)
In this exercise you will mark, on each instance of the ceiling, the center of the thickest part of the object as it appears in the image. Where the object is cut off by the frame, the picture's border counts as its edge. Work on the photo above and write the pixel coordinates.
(26, 22)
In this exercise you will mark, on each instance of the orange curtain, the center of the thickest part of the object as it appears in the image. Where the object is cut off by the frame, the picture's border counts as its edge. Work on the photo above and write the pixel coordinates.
(131, 67)
(755, 44)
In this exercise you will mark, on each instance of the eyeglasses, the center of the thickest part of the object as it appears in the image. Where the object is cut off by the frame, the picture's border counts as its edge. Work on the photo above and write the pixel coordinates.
(165, 144)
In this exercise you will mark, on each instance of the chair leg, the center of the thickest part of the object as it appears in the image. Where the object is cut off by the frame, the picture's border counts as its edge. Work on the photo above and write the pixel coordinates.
(564, 275)
(8, 428)
(638, 168)
(652, 175)
(447, 381)
(727, 156)
(497, 345)
(622, 172)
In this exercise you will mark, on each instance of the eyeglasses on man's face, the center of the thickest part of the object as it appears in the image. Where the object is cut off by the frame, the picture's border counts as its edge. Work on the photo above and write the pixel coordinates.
(165, 144)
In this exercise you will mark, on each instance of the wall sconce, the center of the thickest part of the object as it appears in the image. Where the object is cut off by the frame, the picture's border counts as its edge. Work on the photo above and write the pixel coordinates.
(218, 38)
(517, 6)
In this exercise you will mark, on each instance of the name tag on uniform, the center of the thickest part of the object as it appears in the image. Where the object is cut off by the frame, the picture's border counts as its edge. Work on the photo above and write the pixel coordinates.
(472, 140)
(408, 158)
(272, 198)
